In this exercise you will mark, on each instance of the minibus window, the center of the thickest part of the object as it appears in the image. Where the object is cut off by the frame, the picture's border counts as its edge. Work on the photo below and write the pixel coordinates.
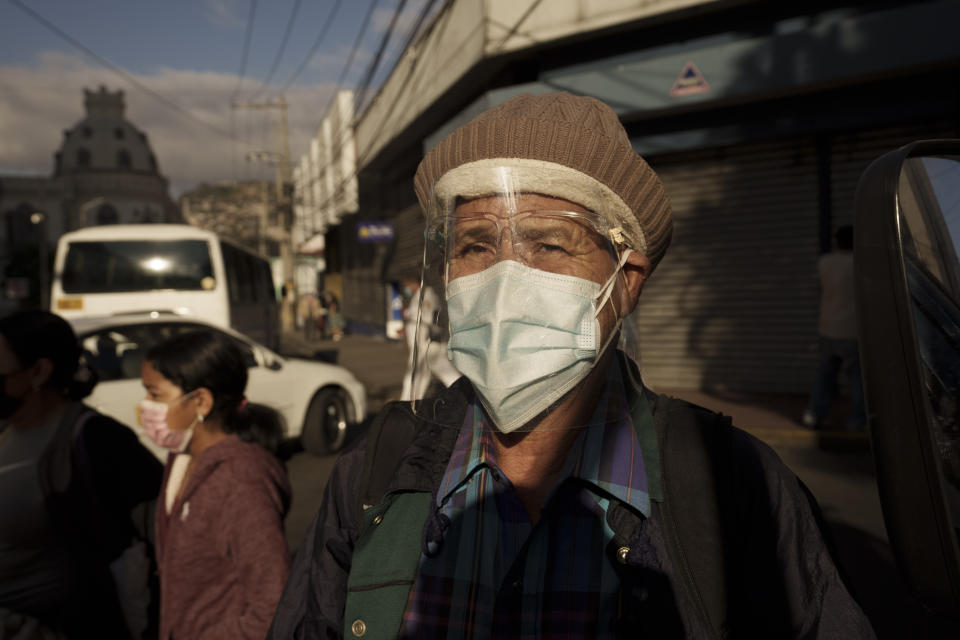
(136, 265)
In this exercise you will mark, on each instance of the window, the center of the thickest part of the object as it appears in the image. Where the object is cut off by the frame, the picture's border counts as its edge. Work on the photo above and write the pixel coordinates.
(118, 133)
(230, 268)
(86, 132)
(107, 214)
(136, 265)
(245, 277)
(123, 159)
(83, 157)
(268, 291)
(116, 353)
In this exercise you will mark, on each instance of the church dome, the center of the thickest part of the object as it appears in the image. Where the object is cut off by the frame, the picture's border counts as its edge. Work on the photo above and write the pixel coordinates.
(104, 140)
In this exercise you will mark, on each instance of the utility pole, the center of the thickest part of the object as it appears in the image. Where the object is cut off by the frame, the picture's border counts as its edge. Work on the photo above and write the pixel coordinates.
(283, 230)
(280, 158)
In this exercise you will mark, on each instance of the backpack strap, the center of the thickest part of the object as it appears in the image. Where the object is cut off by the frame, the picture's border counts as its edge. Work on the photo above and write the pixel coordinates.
(695, 482)
(391, 435)
(56, 463)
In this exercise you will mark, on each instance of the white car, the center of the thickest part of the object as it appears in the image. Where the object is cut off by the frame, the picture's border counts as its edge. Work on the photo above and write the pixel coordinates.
(319, 402)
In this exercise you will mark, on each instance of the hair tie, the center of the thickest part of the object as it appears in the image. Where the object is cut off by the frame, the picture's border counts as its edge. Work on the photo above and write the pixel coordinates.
(243, 404)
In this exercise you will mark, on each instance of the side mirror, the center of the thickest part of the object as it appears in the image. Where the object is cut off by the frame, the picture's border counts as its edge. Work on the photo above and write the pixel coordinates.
(906, 244)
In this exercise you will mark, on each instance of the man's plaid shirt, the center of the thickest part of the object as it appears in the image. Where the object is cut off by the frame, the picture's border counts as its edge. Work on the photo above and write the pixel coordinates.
(494, 573)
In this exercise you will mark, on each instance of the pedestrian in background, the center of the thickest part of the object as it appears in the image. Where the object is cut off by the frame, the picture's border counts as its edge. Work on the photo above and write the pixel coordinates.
(837, 340)
(427, 358)
(335, 319)
(221, 550)
(70, 479)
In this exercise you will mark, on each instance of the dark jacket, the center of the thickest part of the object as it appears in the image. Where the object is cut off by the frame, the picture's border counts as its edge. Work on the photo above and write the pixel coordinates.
(92, 479)
(221, 551)
(781, 580)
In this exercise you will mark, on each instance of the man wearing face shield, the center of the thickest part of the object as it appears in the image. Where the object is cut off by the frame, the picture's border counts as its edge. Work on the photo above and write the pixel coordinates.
(548, 492)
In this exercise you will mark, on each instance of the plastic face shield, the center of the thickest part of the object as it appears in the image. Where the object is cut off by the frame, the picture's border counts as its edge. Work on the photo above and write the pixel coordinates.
(532, 306)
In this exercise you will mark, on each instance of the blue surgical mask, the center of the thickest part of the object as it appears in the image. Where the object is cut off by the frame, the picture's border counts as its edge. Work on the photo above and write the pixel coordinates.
(525, 337)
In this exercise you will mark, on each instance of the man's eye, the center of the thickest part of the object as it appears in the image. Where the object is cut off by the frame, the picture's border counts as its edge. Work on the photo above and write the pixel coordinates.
(550, 248)
(473, 249)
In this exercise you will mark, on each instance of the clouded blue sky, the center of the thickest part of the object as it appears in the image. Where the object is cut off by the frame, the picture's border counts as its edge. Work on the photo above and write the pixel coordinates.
(190, 52)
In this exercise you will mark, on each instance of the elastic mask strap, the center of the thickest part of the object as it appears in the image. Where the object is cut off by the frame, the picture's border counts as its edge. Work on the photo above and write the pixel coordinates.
(607, 287)
(606, 296)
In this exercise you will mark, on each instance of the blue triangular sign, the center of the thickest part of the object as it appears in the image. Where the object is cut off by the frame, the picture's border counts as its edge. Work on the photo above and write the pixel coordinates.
(690, 82)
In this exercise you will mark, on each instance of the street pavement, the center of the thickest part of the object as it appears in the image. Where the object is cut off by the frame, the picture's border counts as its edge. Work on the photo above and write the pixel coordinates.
(836, 465)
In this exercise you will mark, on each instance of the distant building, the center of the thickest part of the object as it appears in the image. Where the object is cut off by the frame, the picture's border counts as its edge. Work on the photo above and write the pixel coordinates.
(103, 173)
(238, 211)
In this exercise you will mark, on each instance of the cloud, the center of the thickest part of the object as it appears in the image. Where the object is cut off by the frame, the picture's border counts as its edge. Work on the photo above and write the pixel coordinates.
(42, 100)
(224, 13)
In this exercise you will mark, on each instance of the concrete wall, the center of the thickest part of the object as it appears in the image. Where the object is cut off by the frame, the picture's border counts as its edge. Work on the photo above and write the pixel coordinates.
(471, 31)
(514, 25)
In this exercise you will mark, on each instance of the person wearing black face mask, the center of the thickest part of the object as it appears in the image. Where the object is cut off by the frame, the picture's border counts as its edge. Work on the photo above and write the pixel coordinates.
(69, 478)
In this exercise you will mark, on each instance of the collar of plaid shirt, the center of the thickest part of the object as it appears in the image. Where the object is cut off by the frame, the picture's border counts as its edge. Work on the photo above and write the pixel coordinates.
(617, 452)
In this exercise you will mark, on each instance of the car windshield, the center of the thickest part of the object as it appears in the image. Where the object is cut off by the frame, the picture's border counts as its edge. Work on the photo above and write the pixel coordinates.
(116, 353)
(137, 265)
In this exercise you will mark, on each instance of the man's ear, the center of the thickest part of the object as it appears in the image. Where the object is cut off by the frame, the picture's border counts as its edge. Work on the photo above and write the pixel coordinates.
(635, 272)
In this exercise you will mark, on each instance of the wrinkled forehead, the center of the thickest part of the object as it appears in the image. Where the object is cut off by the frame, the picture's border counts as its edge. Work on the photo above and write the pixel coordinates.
(504, 205)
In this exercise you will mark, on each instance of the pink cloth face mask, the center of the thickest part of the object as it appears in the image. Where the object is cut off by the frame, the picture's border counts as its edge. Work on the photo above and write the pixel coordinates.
(153, 417)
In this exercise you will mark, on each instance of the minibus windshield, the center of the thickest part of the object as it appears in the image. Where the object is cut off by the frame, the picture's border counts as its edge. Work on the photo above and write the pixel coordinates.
(137, 265)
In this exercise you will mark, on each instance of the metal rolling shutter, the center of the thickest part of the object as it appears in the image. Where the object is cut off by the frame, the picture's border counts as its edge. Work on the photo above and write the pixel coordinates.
(733, 305)
(407, 255)
(852, 153)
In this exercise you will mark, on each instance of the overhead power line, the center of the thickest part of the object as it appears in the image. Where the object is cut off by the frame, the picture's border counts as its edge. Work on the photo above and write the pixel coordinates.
(314, 47)
(246, 49)
(118, 70)
(411, 36)
(281, 50)
(372, 68)
(360, 160)
(367, 20)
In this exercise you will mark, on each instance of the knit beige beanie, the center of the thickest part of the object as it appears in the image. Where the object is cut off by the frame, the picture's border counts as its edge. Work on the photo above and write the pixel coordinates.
(557, 144)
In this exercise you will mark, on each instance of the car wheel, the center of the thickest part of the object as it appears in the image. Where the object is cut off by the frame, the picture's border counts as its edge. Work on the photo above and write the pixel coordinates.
(326, 422)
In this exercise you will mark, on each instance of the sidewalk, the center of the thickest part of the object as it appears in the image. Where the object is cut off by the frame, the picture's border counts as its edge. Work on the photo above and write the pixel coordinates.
(380, 364)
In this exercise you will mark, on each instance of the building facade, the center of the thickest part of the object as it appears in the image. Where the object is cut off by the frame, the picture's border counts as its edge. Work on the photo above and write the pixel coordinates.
(758, 116)
(103, 173)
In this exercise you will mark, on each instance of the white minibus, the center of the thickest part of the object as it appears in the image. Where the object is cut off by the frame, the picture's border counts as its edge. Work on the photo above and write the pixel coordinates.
(135, 269)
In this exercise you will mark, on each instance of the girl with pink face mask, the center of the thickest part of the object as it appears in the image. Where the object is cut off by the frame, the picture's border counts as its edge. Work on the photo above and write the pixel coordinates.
(221, 552)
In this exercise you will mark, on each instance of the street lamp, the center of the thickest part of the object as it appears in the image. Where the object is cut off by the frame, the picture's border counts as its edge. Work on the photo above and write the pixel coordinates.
(39, 219)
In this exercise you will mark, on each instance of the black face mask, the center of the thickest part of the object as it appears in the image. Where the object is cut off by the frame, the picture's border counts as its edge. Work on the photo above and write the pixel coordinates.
(8, 404)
